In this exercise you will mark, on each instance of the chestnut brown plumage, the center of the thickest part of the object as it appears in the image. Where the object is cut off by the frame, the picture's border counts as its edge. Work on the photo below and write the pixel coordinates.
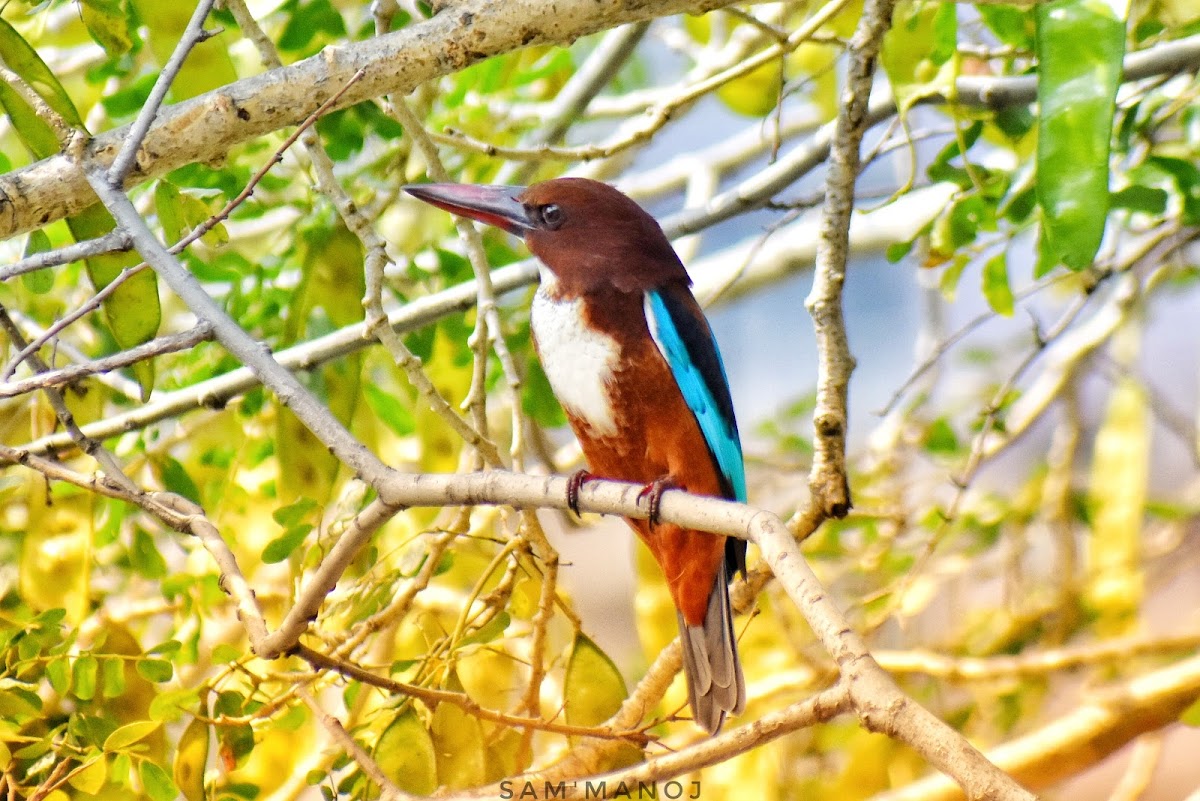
(631, 358)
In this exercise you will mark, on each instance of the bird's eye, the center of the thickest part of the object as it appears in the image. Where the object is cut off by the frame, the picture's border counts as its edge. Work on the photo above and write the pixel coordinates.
(552, 216)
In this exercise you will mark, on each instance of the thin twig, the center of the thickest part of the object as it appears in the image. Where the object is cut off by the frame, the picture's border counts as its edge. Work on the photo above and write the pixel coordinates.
(112, 242)
(170, 343)
(193, 34)
(593, 75)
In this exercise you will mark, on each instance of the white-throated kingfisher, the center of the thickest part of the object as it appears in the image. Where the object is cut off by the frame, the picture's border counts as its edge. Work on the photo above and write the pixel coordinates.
(631, 359)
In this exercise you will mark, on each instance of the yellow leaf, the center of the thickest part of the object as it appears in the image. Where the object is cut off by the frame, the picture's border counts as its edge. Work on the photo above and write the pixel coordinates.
(487, 675)
(458, 745)
(55, 563)
(405, 754)
(816, 63)
(190, 758)
(755, 93)
(525, 598)
(594, 688)
(593, 691)
(90, 777)
(505, 755)
(207, 66)
(452, 376)
(1120, 469)
(130, 733)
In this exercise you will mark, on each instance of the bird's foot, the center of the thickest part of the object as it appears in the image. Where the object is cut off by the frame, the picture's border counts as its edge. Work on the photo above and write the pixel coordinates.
(574, 484)
(653, 492)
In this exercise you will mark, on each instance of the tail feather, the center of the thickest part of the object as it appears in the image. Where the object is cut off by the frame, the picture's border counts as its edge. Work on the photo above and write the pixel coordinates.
(711, 666)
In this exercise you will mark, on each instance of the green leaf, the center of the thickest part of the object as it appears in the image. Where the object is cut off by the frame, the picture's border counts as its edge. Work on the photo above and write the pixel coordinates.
(948, 283)
(489, 631)
(593, 691)
(176, 479)
(112, 677)
(940, 438)
(84, 674)
(919, 53)
(1013, 26)
(166, 648)
(130, 98)
(168, 205)
(283, 546)
(179, 213)
(108, 22)
(145, 557)
(130, 733)
(21, 58)
(1191, 715)
(156, 670)
(58, 671)
(308, 19)
(156, 782)
(224, 652)
(38, 282)
(132, 310)
(1146, 199)
(537, 398)
(294, 513)
(406, 755)
(995, 284)
(898, 250)
(388, 408)
(1186, 177)
(32, 130)
(1080, 45)
(236, 741)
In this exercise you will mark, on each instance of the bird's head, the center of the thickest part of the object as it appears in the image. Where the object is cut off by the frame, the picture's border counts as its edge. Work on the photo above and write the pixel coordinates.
(586, 233)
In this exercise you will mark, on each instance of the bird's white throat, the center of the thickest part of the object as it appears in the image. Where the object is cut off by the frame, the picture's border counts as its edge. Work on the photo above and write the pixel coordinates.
(578, 361)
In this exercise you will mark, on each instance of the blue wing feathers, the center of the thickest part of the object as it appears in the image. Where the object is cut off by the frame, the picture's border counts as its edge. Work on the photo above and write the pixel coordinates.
(691, 352)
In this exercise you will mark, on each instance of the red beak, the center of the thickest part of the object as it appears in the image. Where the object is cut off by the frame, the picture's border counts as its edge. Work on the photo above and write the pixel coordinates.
(494, 205)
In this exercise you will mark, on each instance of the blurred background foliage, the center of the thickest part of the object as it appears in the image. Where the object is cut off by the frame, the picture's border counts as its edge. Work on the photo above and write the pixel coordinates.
(991, 592)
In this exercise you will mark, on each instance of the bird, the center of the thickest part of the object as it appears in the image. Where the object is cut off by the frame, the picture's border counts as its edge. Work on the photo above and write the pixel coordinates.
(634, 364)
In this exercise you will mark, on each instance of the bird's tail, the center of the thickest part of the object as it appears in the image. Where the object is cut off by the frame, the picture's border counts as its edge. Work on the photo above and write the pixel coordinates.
(711, 666)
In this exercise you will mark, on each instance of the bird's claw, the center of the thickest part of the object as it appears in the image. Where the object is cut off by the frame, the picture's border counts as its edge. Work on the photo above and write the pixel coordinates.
(653, 492)
(575, 483)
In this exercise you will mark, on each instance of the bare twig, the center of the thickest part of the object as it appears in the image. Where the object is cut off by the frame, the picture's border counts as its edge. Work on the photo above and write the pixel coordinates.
(66, 375)
(193, 34)
(827, 481)
(111, 242)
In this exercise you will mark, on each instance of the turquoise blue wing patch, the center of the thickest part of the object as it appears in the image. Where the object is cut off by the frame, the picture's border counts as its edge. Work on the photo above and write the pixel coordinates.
(691, 352)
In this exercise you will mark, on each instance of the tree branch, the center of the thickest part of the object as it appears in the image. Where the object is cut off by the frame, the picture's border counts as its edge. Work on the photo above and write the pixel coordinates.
(211, 124)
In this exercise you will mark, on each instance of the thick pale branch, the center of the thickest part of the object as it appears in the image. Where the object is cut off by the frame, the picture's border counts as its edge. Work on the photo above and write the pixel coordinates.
(1084, 736)
(210, 125)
